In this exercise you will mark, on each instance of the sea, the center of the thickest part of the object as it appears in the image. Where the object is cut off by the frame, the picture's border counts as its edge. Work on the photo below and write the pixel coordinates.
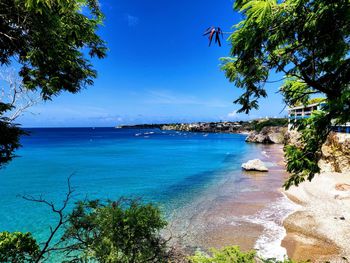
(171, 169)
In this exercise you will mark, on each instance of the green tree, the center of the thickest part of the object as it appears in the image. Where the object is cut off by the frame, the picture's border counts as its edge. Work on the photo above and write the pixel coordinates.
(123, 231)
(227, 254)
(126, 231)
(18, 247)
(308, 42)
(10, 134)
(50, 40)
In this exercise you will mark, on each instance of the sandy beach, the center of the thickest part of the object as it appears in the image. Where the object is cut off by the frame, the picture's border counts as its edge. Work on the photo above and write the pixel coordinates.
(252, 219)
(309, 222)
(320, 229)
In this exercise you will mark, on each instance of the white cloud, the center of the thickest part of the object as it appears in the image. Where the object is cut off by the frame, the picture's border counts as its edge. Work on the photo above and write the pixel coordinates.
(168, 97)
(132, 20)
(232, 114)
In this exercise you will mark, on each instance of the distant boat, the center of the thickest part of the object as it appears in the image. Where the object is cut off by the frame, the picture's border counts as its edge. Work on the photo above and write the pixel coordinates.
(205, 135)
(138, 134)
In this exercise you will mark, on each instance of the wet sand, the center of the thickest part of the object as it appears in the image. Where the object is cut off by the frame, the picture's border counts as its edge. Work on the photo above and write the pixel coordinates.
(250, 217)
(313, 223)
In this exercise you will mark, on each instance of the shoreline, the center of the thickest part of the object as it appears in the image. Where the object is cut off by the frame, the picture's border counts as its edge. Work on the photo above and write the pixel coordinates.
(309, 225)
(251, 218)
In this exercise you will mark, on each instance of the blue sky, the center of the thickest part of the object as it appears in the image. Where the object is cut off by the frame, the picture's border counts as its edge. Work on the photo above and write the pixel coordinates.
(159, 68)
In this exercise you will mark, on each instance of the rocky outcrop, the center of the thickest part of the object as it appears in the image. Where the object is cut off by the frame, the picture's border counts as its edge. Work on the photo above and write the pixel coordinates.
(322, 219)
(293, 138)
(255, 165)
(336, 153)
(268, 135)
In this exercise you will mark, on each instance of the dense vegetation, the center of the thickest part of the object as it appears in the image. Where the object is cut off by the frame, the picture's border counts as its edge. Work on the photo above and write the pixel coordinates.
(310, 101)
(10, 135)
(232, 254)
(18, 247)
(258, 125)
(122, 231)
(227, 254)
(308, 41)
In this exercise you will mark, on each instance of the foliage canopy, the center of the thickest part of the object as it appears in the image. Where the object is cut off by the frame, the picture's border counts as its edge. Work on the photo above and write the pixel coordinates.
(227, 254)
(233, 254)
(309, 42)
(18, 247)
(123, 231)
(10, 134)
(258, 125)
(49, 39)
(46, 38)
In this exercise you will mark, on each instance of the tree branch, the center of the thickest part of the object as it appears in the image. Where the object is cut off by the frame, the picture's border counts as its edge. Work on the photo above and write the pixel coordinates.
(15, 95)
(61, 217)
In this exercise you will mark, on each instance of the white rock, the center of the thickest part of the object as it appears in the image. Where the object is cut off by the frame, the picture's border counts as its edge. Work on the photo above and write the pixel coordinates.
(255, 165)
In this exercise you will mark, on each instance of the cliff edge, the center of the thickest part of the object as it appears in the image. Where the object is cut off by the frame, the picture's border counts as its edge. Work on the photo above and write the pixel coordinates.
(336, 154)
(269, 134)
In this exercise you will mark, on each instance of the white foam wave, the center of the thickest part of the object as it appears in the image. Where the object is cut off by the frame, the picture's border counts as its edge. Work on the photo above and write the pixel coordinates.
(271, 218)
(265, 154)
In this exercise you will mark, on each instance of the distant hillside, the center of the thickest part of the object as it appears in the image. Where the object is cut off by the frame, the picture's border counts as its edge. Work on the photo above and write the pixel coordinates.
(224, 127)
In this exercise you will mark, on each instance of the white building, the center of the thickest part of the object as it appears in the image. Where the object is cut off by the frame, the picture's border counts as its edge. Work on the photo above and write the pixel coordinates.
(302, 112)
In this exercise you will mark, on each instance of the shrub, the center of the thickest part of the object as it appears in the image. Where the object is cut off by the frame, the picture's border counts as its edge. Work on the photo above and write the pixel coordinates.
(233, 254)
(259, 125)
(123, 231)
(18, 247)
(228, 254)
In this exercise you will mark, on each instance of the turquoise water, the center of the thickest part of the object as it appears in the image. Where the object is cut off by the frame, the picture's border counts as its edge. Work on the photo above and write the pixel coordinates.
(166, 167)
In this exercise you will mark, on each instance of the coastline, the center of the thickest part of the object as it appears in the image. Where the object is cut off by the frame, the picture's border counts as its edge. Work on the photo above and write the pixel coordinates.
(252, 219)
(320, 229)
(308, 222)
(260, 215)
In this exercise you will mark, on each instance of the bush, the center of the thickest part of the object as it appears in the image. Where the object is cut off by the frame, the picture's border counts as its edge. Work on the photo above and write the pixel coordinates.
(228, 254)
(123, 231)
(18, 247)
(233, 254)
(259, 125)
